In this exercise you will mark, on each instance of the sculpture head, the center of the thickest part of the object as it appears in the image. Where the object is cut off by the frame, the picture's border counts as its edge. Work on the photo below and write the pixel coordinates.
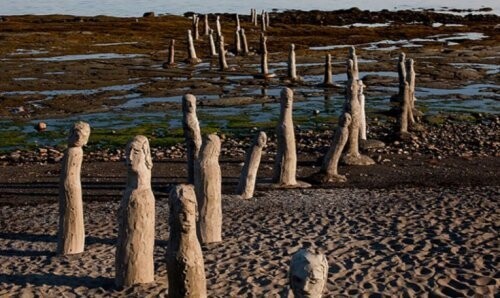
(286, 98)
(292, 47)
(352, 52)
(261, 139)
(409, 64)
(189, 103)
(183, 208)
(308, 274)
(138, 156)
(345, 120)
(361, 87)
(350, 68)
(211, 145)
(402, 57)
(79, 134)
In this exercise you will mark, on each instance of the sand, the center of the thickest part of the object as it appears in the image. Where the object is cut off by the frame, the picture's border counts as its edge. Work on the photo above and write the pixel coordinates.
(398, 242)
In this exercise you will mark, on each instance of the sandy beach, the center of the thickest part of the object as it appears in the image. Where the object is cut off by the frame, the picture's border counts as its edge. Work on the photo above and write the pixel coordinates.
(400, 242)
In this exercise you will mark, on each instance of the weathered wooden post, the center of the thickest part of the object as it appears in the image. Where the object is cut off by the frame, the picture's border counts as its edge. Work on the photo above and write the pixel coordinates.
(410, 78)
(244, 42)
(71, 231)
(362, 116)
(329, 172)
(171, 55)
(134, 262)
(192, 132)
(238, 27)
(263, 22)
(208, 190)
(237, 42)
(206, 26)
(218, 27)
(185, 265)
(401, 76)
(222, 55)
(192, 58)
(354, 58)
(263, 52)
(328, 81)
(246, 185)
(213, 51)
(352, 156)
(285, 166)
(195, 23)
(292, 66)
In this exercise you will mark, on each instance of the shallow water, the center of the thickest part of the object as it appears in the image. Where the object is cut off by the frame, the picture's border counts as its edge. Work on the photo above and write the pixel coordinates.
(101, 56)
(136, 8)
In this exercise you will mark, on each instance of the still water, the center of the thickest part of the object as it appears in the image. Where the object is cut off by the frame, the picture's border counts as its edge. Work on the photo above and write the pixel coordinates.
(138, 7)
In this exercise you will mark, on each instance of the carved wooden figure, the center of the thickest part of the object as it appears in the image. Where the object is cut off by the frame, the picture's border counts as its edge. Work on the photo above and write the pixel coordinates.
(328, 81)
(71, 232)
(208, 190)
(222, 54)
(185, 265)
(329, 168)
(401, 76)
(196, 21)
(171, 55)
(285, 166)
(353, 107)
(192, 132)
(362, 116)
(405, 110)
(263, 22)
(244, 43)
(206, 26)
(213, 51)
(237, 42)
(134, 262)
(292, 65)
(238, 27)
(354, 58)
(246, 185)
(218, 27)
(192, 58)
(264, 67)
(410, 78)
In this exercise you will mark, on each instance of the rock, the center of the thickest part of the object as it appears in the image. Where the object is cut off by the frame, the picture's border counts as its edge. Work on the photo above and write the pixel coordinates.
(41, 126)
(149, 14)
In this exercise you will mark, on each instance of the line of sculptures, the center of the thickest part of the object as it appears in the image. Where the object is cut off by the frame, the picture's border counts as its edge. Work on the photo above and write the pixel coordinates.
(195, 208)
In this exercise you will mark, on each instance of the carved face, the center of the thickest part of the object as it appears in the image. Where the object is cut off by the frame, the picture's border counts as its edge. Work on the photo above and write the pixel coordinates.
(184, 208)
(261, 139)
(345, 120)
(138, 157)
(189, 103)
(79, 134)
(287, 98)
(308, 273)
